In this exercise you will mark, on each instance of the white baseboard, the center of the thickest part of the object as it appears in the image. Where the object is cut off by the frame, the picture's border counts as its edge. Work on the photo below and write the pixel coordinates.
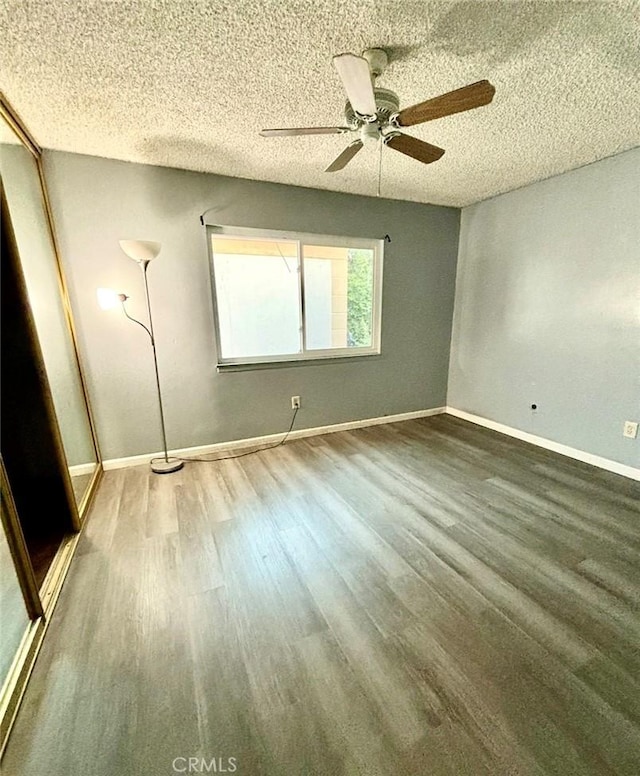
(82, 468)
(556, 447)
(220, 447)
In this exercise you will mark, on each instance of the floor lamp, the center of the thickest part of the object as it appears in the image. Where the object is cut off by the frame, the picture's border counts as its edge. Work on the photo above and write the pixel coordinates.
(143, 252)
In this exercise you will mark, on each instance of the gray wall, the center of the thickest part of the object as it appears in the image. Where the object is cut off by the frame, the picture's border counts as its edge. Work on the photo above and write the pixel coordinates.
(547, 309)
(97, 201)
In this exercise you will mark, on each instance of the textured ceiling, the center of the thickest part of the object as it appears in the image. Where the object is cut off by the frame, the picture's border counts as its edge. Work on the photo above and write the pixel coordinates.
(190, 84)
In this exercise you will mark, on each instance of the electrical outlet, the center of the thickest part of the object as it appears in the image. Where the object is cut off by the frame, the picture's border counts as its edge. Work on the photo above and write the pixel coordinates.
(295, 402)
(630, 429)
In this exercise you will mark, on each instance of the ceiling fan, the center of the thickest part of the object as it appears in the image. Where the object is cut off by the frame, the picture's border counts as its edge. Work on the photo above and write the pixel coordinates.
(374, 115)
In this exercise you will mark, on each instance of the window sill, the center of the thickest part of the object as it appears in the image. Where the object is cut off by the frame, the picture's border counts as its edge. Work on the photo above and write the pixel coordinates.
(298, 362)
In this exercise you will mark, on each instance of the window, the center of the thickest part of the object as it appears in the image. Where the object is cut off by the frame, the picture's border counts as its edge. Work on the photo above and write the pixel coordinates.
(290, 297)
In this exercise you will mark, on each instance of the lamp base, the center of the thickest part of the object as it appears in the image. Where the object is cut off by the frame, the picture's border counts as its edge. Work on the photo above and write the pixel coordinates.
(162, 466)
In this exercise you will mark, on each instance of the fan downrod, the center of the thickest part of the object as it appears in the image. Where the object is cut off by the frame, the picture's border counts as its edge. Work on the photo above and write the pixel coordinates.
(377, 59)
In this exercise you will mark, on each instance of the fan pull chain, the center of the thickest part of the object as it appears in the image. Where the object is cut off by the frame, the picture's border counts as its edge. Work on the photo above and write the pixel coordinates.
(379, 166)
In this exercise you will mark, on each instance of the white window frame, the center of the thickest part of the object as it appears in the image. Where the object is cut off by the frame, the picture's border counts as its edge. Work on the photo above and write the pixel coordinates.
(234, 232)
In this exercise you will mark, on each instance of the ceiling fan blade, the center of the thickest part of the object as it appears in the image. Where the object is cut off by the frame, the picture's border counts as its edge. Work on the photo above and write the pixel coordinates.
(466, 98)
(416, 149)
(356, 79)
(345, 157)
(303, 131)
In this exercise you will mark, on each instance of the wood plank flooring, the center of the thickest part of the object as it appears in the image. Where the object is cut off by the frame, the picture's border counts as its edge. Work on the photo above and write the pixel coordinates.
(426, 597)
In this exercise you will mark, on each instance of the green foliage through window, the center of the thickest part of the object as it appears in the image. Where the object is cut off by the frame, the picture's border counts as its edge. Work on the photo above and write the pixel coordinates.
(360, 297)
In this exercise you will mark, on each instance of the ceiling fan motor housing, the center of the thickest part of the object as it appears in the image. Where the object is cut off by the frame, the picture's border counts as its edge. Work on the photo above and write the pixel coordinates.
(387, 103)
(370, 132)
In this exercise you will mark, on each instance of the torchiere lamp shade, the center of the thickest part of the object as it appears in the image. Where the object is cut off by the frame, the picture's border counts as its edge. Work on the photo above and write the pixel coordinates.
(141, 250)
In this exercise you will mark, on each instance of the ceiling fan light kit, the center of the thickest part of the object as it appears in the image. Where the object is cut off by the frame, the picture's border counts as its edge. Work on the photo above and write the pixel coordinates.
(373, 114)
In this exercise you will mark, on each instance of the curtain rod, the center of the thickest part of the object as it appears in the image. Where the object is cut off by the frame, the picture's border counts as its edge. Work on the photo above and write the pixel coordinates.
(386, 238)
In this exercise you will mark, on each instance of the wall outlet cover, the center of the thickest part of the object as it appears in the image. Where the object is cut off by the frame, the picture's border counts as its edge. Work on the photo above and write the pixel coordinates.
(630, 429)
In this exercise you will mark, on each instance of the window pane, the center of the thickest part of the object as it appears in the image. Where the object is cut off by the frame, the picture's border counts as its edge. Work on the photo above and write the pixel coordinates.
(338, 288)
(258, 300)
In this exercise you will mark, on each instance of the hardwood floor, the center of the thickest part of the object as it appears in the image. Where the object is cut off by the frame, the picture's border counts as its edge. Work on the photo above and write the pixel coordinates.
(427, 597)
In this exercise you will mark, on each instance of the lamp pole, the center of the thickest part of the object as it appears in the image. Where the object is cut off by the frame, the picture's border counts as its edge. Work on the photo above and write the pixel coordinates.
(143, 267)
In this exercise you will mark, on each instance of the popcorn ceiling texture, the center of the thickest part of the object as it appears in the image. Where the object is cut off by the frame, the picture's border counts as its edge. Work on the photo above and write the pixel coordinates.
(190, 84)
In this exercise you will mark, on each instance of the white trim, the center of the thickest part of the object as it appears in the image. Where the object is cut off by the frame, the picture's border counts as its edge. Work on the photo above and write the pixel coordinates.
(82, 468)
(548, 444)
(220, 447)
